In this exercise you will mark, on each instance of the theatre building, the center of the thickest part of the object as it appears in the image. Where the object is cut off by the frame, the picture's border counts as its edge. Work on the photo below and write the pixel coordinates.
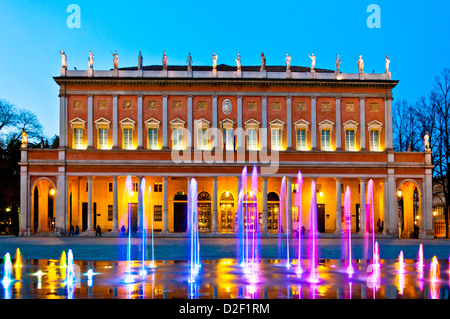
(147, 127)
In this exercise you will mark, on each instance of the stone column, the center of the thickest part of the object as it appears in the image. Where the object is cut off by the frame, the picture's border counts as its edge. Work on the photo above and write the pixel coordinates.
(338, 124)
(139, 123)
(289, 122)
(24, 198)
(385, 206)
(164, 122)
(141, 212)
(60, 199)
(362, 115)
(90, 206)
(313, 123)
(426, 229)
(392, 203)
(388, 130)
(214, 206)
(115, 228)
(264, 208)
(90, 122)
(214, 120)
(240, 136)
(264, 122)
(62, 120)
(289, 202)
(362, 190)
(338, 207)
(165, 216)
(189, 121)
(115, 122)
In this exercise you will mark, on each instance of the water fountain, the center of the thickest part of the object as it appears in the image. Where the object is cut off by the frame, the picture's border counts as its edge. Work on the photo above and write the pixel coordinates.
(150, 201)
(143, 214)
(193, 227)
(70, 270)
(284, 216)
(18, 263)
(7, 270)
(401, 263)
(348, 231)
(313, 237)
(129, 206)
(298, 201)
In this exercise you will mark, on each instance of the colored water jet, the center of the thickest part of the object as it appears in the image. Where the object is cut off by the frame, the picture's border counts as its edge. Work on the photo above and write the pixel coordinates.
(434, 270)
(193, 227)
(348, 231)
(63, 260)
(284, 215)
(401, 263)
(298, 201)
(143, 214)
(18, 263)
(7, 270)
(70, 270)
(313, 237)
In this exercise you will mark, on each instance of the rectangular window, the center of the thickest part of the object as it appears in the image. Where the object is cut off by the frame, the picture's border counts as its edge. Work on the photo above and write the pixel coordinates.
(276, 139)
(252, 140)
(127, 138)
(177, 138)
(301, 140)
(202, 139)
(152, 138)
(157, 213)
(110, 213)
(350, 140)
(375, 140)
(78, 138)
(110, 187)
(102, 138)
(326, 140)
(135, 187)
(228, 139)
(157, 187)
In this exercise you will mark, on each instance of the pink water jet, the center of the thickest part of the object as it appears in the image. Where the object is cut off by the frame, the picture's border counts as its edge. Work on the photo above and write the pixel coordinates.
(298, 201)
(348, 231)
(401, 263)
(434, 270)
(313, 237)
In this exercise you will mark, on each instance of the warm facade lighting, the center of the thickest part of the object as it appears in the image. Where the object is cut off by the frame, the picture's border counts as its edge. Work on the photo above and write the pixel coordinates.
(52, 192)
(399, 193)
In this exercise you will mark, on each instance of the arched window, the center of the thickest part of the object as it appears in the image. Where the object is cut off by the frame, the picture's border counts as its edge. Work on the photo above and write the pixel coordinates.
(227, 213)
(180, 196)
(204, 211)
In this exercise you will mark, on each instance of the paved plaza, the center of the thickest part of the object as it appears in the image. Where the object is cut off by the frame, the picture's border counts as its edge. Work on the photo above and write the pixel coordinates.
(104, 248)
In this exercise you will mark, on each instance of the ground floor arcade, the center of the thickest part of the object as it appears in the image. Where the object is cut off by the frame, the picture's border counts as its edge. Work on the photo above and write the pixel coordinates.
(91, 200)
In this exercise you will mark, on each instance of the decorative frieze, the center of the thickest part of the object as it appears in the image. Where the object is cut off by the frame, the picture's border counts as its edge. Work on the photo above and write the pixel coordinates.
(102, 105)
(202, 105)
(176, 105)
(350, 107)
(276, 106)
(300, 106)
(325, 106)
(127, 105)
(152, 105)
(77, 104)
(251, 106)
(374, 107)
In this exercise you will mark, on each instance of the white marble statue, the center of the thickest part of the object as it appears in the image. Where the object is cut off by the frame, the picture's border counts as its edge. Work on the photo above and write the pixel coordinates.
(91, 60)
(116, 60)
(360, 64)
(214, 60)
(426, 141)
(313, 62)
(288, 62)
(189, 62)
(63, 59)
(164, 61)
(388, 61)
(338, 64)
(263, 62)
(238, 61)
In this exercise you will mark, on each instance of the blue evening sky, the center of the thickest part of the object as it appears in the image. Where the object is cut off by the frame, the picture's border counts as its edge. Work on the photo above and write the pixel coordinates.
(415, 35)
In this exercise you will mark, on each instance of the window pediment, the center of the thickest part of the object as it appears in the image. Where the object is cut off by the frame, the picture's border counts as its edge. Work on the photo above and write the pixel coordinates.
(252, 123)
(350, 125)
(276, 124)
(227, 123)
(375, 125)
(326, 124)
(202, 123)
(152, 123)
(301, 124)
(127, 123)
(78, 123)
(102, 123)
(177, 123)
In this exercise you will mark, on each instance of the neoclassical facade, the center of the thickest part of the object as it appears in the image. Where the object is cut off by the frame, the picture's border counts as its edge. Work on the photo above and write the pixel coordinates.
(159, 127)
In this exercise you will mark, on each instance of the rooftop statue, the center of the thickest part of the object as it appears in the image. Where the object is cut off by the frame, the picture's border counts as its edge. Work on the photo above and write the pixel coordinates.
(288, 62)
(116, 60)
(189, 62)
(263, 62)
(388, 61)
(238, 62)
(140, 61)
(313, 61)
(164, 61)
(426, 141)
(360, 64)
(24, 143)
(63, 59)
(91, 60)
(214, 57)
(338, 64)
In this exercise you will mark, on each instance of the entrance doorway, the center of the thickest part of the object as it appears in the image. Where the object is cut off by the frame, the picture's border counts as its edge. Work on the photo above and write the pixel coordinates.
(84, 217)
(358, 218)
(180, 212)
(321, 218)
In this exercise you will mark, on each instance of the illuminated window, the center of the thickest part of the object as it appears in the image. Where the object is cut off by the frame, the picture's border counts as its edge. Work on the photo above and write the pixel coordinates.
(152, 138)
(251, 127)
(127, 138)
(326, 128)
(350, 140)
(177, 138)
(102, 138)
(78, 132)
(202, 139)
(326, 140)
(228, 134)
(78, 138)
(276, 129)
(301, 127)
(375, 135)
